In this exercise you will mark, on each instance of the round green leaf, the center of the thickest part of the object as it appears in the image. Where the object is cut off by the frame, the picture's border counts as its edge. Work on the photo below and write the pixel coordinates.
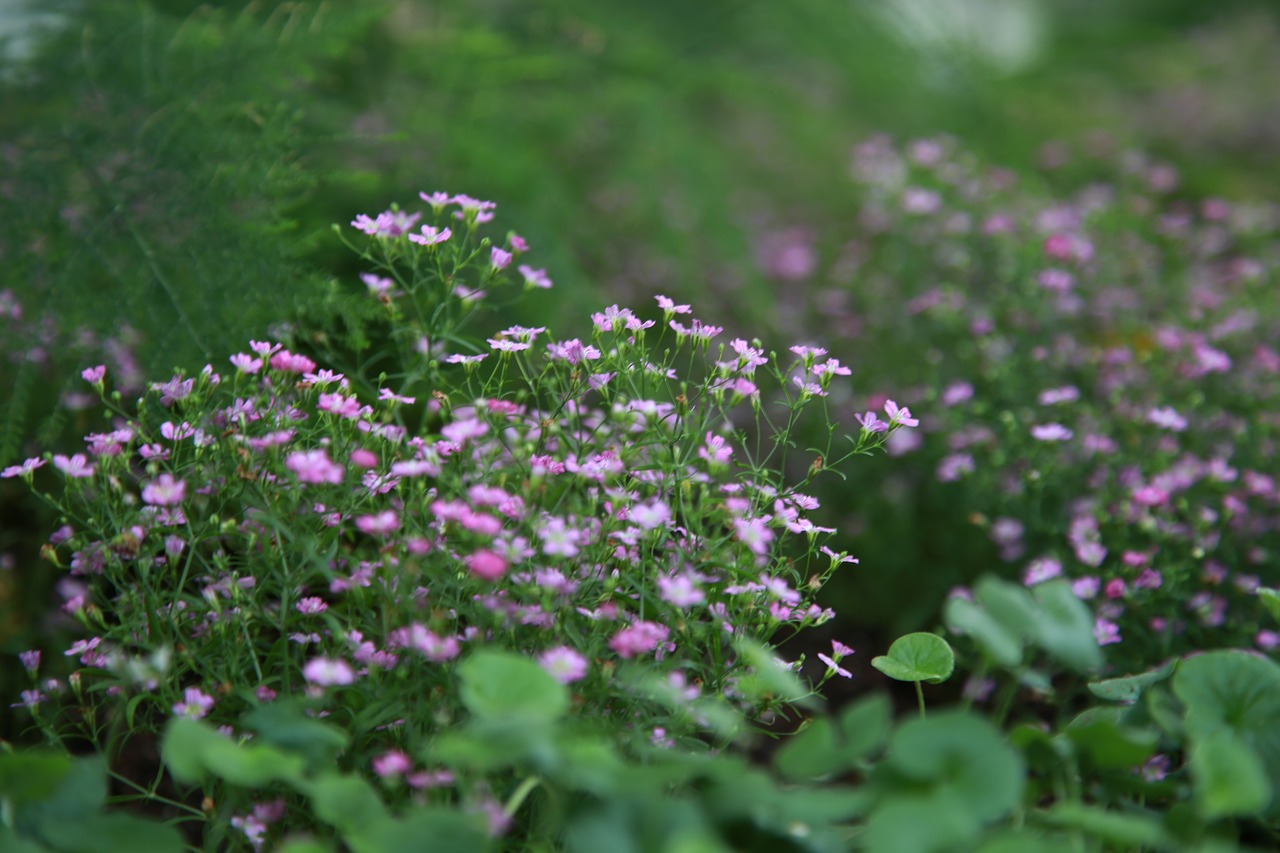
(33, 774)
(930, 822)
(347, 802)
(500, 684)
(1270, 599)
(865, 726)
(966, 618)
(1129, 831)
(918, 657)
(1235, 691)
(811, 753)
(961, 753)
(1229, 778)
(1064, 627)
(1128, 688)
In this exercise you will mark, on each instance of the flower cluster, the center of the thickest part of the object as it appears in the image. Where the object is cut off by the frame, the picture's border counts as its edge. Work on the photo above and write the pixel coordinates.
(1099, 365)
(264, 531)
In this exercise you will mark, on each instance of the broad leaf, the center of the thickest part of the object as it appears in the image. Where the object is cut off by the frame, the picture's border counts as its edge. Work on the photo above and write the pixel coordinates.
(500, 684)
(918, 657)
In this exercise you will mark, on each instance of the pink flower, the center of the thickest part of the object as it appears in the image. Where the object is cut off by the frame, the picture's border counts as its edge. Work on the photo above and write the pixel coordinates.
(93, 375)
(311, 605)
(195, 704)
(1167, 418)
(287, 362)
(392, 763)
(1041, 570)
(638, 639)
(314, 466)
(26, 469)
(327, 672)
(899, 416)
(1106, 632)
(434, 648)
(380, 524)
(564, 664)
(499, 258)
(164, 491)
(1051, 432)
(245, 363)
(681, 591)
(715, 451)
(534, 278)
(76, 466)
(872, 423)
(487, 565)
(431, 236)
(670, 307)
(834, 667)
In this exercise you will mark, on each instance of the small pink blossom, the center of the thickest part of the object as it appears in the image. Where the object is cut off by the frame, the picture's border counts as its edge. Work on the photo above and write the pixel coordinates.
(379, 524)
(1051, 432)
(76, 466)
(487, 565)
(899, 416)
(564, 664)
(314, 466)
(639, 638)
(164, 491)
(834, 667)
(93, 375)
(391, 764)
(327, 672)
(195, 704)
(499, 258)
(26, 469)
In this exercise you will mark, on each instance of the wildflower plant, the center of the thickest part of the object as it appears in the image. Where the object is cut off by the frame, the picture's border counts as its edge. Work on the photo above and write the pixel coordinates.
(607, 508)
(1095, 350)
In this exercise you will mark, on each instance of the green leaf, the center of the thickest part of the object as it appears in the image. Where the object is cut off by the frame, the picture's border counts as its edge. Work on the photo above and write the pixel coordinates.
(1009, 604)
(11, 843)
(192, 749)
(964, 754)
(33, 774)
(1125, 830)
(918, 657)
(966, 618)
(1064, 627)
(812, 753)
(80, 794)
(768, 678)
(489, 745)
(1229, 778)
(1238, 692)
(865, 726)
(931, 822)
(1129, 688)
(423, 830)
(304, 845)
(500, 684)
(1025, 841)
(1270, 599)
(112, 833)
(1040, 750)
(182, 748)
(1099, 734)
(285, 724)
(346, 802)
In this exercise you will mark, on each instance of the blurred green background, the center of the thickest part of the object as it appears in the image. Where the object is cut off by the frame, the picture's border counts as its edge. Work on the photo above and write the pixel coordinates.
(169, 172)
